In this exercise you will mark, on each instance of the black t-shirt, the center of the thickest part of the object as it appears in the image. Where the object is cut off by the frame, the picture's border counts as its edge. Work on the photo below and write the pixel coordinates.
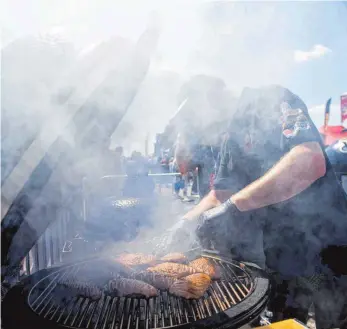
(268, 123)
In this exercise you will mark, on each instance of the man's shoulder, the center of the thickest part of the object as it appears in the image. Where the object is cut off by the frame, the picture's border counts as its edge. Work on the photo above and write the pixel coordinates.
(272, 94)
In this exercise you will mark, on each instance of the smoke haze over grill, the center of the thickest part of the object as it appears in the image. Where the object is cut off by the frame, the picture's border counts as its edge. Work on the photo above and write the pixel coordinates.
(56, 56)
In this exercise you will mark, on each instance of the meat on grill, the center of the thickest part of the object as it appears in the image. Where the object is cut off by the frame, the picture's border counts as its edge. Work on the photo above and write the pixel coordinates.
(78, 287)
(203, 265)
(114, 267)
(174, 257)
(136, 259)
(101, 271)
(122, 287)
(192, 286)
(158, 280)
(172, 269)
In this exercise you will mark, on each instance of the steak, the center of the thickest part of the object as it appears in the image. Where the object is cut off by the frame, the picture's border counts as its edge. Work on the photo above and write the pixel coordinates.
(158, 280)
(78, 287)
(192, 286)
(174, 257)
(172, 269)
(126, 287)
(136, 259)
(101, 271)
(203, 265)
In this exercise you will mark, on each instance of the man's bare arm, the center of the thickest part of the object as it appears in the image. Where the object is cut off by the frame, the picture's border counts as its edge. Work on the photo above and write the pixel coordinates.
(295, 172)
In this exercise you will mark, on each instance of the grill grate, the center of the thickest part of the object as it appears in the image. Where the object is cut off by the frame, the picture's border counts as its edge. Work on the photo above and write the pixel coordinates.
(165, 310)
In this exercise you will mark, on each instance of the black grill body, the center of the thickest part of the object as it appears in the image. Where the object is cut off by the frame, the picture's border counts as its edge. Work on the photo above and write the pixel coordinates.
(234, 300)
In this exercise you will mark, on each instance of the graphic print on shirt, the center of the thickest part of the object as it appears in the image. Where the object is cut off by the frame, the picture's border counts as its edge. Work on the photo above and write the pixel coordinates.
(293, 121)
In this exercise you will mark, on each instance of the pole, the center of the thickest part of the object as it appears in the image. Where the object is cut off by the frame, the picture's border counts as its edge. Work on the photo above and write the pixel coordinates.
(197, 180)
(146, 144)
(327, 113)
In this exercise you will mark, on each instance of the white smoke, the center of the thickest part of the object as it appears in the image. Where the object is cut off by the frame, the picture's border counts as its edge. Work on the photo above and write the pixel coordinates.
(245, 44)
(56, 53)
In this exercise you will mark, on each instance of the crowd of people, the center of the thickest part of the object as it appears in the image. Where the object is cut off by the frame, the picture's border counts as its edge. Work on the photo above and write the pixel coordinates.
(194, 181)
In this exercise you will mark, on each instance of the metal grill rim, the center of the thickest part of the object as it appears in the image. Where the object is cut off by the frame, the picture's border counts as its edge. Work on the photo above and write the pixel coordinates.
(163, 311)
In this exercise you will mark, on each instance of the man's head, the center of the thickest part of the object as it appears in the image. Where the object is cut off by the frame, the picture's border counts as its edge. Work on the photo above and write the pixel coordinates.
(119, 150)
(201, 101)
(136, 155)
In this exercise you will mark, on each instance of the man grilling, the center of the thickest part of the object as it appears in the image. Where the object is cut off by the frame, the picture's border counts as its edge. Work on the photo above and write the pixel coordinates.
(276, 202)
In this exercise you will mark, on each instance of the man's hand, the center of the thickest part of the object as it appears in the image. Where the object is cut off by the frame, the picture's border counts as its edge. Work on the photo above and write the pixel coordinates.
(179, 237)
(214, 226)
(218, 212)
(195, 223)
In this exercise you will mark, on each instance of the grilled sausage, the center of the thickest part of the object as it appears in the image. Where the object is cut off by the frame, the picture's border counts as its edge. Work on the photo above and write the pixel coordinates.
(78, 287)
(124, 287)
(136, 259)
(174, 257)
(203, 265)
(158, 280)
(172, 269)
(192, 286)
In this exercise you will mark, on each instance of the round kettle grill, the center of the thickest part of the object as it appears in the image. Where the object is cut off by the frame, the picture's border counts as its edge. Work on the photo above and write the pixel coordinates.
(230, 302)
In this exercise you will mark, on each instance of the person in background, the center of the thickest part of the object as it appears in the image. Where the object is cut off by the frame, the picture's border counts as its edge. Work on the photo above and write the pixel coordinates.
(172, 165)
(196, 162)
(119, 160)
(97, 161)
(337, 154)
(175, 179)
(138, 184)
(277, 203)
(165, 164)
(136, 164)
(183, 158)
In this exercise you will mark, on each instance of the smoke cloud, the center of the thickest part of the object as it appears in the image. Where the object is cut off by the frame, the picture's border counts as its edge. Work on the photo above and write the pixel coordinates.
(66, 55)
(245, 44)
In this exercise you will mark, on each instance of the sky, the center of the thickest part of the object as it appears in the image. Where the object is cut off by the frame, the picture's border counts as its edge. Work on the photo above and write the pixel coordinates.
(301, 45)
(320, 45)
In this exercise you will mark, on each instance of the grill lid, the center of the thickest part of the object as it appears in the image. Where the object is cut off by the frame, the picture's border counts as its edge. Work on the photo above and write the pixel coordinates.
(36, 179)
